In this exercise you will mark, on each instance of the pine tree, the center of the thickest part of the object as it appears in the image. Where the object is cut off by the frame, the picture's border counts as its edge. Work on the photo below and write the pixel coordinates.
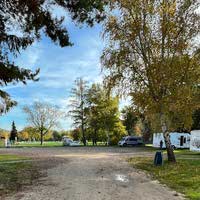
(13, 133)
(78, 106)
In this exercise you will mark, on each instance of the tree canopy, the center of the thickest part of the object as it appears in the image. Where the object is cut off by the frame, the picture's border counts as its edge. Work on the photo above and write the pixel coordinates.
(103, 115)
(153, 55)
(129, 118)
(95, 114)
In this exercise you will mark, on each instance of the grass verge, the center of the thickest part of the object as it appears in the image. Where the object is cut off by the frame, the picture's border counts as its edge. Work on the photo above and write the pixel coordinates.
(184, 176)
(8, 157)
(15, 175)
(37, 144)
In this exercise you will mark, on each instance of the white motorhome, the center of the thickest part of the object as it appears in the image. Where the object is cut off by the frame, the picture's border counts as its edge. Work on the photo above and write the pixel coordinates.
(178, 140)
(195, 140)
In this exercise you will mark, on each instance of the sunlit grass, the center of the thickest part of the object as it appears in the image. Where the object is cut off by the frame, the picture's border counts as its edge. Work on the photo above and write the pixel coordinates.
(37, 144)
(6, 158)
(184, 176)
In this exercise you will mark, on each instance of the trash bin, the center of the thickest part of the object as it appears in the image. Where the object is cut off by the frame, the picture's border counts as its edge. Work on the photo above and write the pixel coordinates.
(158, 160)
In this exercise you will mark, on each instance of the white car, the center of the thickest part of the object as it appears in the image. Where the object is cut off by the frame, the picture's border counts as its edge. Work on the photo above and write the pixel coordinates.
(70, 142)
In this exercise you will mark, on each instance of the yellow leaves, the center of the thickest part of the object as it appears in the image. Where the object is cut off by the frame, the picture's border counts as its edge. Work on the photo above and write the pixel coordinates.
(148, 57)
(173, 92)
(172, 9)
(4, 134)
(168, 8)
(24, 135)
(112, 19)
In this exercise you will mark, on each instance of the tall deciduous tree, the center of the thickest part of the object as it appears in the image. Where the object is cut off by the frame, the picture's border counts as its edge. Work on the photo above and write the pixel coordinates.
(24, 21)
(56, 136)
(79, 106)
(23, 136)
(43, 117)
(135, 122)
(103, 112)
(118, 132)
(94, 98)
(33, 134)
(76, 134)
(129, 119)
(154, 56)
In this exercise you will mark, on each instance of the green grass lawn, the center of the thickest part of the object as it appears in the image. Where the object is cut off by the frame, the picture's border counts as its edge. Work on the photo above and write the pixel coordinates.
(6, 158)
(15, 175)
(1, 143)
(37, 144)
(184, 176)
(48, 144)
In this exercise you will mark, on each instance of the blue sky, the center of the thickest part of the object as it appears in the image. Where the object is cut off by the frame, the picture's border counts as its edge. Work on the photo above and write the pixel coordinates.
(59, 68)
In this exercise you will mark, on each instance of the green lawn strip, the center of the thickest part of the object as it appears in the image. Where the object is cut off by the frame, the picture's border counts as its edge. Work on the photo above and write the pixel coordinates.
(184, 176)
(15, 175)
(8, 157)
(2, 143)
(184, 152)
(50, 144)
(37, 144)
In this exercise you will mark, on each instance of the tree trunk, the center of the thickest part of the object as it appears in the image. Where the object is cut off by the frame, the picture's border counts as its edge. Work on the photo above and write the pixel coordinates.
(83, 134)
(95, 137)
(41, 138)
(108, 138)
(170, 152)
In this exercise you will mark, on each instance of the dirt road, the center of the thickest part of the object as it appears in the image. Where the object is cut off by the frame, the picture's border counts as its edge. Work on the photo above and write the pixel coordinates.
(91, 174)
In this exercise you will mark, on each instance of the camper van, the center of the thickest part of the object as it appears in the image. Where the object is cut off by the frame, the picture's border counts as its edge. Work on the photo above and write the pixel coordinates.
(69, 142)
(130, 141)
(195, 141)
(178, 140)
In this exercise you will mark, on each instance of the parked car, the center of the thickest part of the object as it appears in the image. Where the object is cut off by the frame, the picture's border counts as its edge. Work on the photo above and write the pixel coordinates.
(70, 142)
(130, 141)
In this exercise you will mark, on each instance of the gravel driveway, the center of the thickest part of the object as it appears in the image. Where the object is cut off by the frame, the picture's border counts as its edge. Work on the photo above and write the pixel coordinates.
(84, 173)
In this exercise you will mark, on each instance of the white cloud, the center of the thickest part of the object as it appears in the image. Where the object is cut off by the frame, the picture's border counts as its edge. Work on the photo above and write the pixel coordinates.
(30, 56)
(59, 68)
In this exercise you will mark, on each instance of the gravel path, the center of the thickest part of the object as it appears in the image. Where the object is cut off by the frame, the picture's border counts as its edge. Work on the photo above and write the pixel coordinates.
(91, 173)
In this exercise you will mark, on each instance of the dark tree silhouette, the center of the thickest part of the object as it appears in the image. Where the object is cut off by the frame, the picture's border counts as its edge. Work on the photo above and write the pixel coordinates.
(196, 120)
(13, 133)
